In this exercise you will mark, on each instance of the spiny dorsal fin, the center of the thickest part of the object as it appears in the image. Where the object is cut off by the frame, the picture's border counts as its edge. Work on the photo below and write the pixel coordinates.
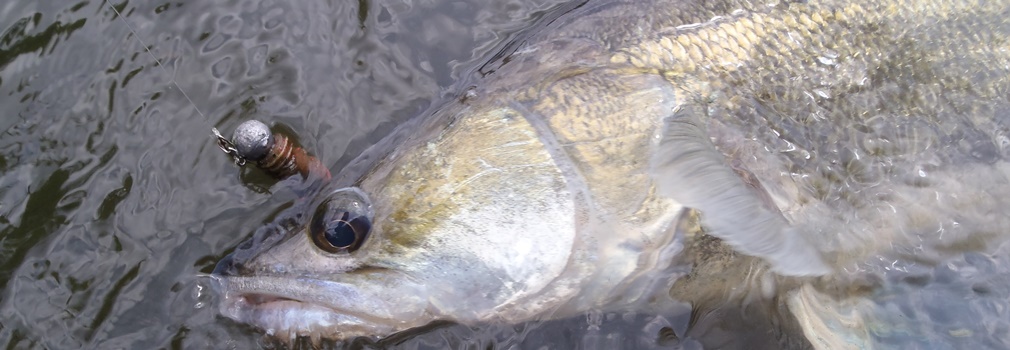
(689, 169)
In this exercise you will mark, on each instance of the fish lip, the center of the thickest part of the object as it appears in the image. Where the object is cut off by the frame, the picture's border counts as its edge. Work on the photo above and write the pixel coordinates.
(281, 314)
(260, 299)
(288, 318)
(266, 301)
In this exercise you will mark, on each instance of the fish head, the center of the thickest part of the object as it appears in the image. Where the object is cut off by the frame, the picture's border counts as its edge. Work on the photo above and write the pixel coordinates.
(473, 219)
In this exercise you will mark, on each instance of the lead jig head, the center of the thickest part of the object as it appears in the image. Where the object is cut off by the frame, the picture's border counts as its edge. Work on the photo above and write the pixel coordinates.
(274, 153)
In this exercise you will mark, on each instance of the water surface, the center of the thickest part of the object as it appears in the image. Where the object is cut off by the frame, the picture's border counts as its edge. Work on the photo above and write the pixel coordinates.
(114, 198)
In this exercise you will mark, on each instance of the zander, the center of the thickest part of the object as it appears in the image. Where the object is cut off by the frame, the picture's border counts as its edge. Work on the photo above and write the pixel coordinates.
(808, 138)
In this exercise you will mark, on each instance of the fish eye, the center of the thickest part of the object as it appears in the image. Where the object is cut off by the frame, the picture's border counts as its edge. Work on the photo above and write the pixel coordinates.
(341, 223)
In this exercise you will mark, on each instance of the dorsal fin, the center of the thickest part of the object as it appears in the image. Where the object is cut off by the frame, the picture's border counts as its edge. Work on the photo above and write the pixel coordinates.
(688, 168)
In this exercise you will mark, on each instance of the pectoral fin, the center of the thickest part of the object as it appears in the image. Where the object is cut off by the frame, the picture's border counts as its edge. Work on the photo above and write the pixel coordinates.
(688, 168)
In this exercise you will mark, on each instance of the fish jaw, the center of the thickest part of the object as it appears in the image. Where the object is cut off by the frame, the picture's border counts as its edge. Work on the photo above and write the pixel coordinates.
(308, 307)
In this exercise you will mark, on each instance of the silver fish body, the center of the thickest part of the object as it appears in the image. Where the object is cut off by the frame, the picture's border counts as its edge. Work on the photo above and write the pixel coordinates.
(813, 135)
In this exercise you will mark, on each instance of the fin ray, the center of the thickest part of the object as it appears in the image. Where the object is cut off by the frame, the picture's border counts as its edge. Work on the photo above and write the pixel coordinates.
(688, 168)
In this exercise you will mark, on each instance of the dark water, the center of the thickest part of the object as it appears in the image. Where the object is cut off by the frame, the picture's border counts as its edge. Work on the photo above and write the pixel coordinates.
(113, 197)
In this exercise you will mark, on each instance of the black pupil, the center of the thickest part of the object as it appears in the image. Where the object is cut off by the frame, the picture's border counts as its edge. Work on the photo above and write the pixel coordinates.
(340, 233)
(341, 224)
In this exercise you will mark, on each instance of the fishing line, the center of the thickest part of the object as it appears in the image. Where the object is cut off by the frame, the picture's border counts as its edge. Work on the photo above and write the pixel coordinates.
(223, 143)
(157, 61)
(275, 154)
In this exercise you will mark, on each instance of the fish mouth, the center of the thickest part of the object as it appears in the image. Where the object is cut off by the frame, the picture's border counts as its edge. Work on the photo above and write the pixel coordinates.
(258, 300)
(272, 303)
(318, 309)
(287, 317)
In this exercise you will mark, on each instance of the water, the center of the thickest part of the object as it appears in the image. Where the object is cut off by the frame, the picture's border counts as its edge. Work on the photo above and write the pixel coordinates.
(113, 196)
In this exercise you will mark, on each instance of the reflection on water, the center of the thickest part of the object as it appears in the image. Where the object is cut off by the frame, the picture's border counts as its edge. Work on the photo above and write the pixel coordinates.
(113, 197)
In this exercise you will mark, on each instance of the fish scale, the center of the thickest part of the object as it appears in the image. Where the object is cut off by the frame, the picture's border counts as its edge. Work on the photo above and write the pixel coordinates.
(721, 153)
